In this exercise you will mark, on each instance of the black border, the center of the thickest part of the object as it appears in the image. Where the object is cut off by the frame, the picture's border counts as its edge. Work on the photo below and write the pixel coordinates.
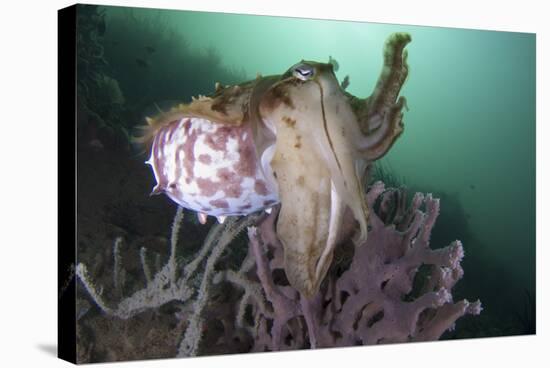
(66, 189)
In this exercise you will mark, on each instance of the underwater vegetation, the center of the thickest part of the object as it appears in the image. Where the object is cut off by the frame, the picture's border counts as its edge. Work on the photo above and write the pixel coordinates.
(350, 289)
(384, 173)
(501, 316)
(131, 66)
(452, 219)
(100, 100)
(368, 297)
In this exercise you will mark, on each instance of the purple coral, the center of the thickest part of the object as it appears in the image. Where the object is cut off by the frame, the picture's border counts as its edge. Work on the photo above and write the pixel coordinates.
(371, 299)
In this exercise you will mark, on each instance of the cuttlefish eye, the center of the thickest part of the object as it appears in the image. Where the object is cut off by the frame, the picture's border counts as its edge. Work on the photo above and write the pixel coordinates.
(303, 71)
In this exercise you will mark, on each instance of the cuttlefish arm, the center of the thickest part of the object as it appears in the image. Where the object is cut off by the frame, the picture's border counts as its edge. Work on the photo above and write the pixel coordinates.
(315, 165)
(325, 138)
(380, 116)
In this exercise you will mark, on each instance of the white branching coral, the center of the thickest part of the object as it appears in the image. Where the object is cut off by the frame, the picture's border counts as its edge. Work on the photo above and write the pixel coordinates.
(173, 281)
(232, 227)
(160, 289)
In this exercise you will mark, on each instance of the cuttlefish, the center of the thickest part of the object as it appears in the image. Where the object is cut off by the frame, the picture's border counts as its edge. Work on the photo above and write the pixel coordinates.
(298, 139)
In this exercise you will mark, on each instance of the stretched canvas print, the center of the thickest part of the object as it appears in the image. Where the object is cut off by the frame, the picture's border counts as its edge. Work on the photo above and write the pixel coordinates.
(252, 183)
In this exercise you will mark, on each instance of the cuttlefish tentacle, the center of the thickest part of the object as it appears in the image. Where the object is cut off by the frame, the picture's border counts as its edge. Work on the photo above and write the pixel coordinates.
(337, 208)
(376, 144)
(315, 164)
(393, 75)
(379, 116)
(337, 143)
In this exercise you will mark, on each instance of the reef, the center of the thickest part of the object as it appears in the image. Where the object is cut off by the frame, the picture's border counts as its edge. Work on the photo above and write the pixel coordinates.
(377, 295)
(393, 288)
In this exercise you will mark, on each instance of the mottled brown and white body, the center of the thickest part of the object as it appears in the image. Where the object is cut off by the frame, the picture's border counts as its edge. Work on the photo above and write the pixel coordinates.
(210, 168)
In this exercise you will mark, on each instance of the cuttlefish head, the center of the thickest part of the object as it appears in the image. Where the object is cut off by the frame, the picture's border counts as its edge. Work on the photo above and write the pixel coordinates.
(317, 166)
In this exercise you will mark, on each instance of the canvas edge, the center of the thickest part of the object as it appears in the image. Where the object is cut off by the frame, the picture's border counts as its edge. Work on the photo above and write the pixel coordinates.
(66, 159)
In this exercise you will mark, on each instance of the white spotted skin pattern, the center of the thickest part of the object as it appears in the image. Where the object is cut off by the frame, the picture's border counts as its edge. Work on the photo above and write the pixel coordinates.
(210, 168)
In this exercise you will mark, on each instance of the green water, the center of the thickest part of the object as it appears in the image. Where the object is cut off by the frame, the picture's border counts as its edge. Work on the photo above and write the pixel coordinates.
(470, 130)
